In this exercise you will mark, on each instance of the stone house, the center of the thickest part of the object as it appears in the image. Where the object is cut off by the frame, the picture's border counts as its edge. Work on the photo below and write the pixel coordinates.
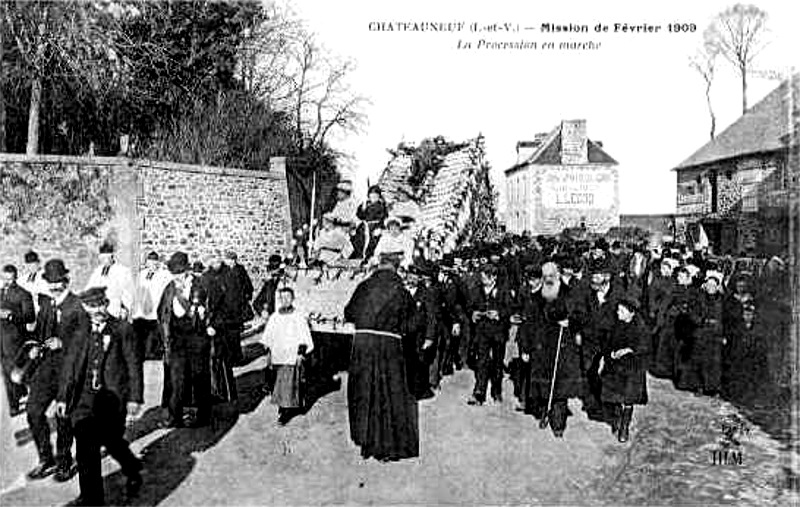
(562, 179)
(736, 185)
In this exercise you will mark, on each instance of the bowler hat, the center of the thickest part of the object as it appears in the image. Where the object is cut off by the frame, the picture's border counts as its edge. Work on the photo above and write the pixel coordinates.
(601, 244)
(106, 248)
(55, 271)
(599, 265)
(178, 263)
(93, 296)
(31, 256)
(533, 271)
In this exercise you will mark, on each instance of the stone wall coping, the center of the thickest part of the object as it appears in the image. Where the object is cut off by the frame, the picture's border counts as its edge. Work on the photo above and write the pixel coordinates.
(153, 164)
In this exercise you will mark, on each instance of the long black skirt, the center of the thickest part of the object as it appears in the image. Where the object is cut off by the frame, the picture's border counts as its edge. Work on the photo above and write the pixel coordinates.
(382, 409)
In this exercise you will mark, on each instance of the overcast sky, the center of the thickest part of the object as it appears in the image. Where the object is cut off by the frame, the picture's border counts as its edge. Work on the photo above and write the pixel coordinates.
(636, 91)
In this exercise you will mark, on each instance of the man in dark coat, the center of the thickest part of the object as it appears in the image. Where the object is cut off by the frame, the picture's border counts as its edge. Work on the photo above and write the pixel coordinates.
(224, 315)
(16, 312)
(545, 316)
(61, 323)
(381, 407)
(490, 307)
(102, 385)
(453, 315)
(423, 331)
(686, 315)
(623, 366)
(595, 312)
(659, 300)
(701, 371)
(183, 316)
(238, 297)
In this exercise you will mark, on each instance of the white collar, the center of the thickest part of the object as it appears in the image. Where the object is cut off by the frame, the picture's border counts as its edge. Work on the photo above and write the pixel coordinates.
(60, 299)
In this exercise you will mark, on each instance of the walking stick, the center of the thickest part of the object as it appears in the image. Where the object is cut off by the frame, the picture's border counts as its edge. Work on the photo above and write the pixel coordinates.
(546, 416)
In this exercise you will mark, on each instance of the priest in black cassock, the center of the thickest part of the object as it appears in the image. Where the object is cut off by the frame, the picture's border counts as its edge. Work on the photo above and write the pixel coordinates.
(382, 409)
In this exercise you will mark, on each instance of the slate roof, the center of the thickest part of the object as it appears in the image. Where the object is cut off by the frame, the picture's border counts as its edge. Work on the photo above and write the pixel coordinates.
(549, 152)
(759, 130)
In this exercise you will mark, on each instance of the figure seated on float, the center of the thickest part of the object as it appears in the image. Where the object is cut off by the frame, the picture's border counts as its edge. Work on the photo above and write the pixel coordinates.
(345, 209)
(397, 239)
(332, 245)
(372, 214)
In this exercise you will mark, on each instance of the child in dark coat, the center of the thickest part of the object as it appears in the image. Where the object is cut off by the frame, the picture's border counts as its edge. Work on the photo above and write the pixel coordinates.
(623, 366)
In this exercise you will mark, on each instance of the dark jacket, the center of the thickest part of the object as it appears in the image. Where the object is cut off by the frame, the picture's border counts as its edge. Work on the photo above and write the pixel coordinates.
(265, 301)
(121, 374)
(67, 321)
(500, 300)
(244, 287)
(425, 319)
(624, 379)
(13, 332)
(189, 331)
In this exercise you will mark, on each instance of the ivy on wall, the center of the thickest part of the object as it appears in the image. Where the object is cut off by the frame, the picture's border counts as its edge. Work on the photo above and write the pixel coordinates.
(48, 200)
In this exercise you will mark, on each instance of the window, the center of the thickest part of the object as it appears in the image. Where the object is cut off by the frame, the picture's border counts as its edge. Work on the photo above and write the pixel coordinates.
(749, 182)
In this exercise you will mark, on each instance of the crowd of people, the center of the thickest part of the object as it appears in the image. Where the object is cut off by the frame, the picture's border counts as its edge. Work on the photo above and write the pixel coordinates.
(560, 318)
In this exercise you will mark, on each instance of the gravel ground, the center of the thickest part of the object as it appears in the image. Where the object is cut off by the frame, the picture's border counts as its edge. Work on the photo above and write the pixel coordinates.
(469, 455)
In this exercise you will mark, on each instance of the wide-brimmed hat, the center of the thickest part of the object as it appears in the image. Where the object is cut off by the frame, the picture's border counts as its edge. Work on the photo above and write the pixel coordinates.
(93, 296)
(55, 271)
(393, 219)
(345, 186)
(178, 263)
(374, 189)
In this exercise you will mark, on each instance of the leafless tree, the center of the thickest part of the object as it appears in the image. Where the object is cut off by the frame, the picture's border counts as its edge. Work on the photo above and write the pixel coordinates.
(704, 62)
(70, 39)
(739, 35)
(286, 67)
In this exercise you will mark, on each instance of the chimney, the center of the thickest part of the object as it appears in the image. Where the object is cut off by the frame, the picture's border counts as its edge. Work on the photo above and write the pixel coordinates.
(527, 148)
(574, 145)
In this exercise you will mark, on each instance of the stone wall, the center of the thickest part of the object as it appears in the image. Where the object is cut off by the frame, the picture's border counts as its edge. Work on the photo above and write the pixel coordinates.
(146, 206)
(751, 199)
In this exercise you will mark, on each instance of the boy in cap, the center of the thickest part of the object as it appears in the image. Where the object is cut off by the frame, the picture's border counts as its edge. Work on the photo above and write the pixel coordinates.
(102, 386)
(61, 323)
